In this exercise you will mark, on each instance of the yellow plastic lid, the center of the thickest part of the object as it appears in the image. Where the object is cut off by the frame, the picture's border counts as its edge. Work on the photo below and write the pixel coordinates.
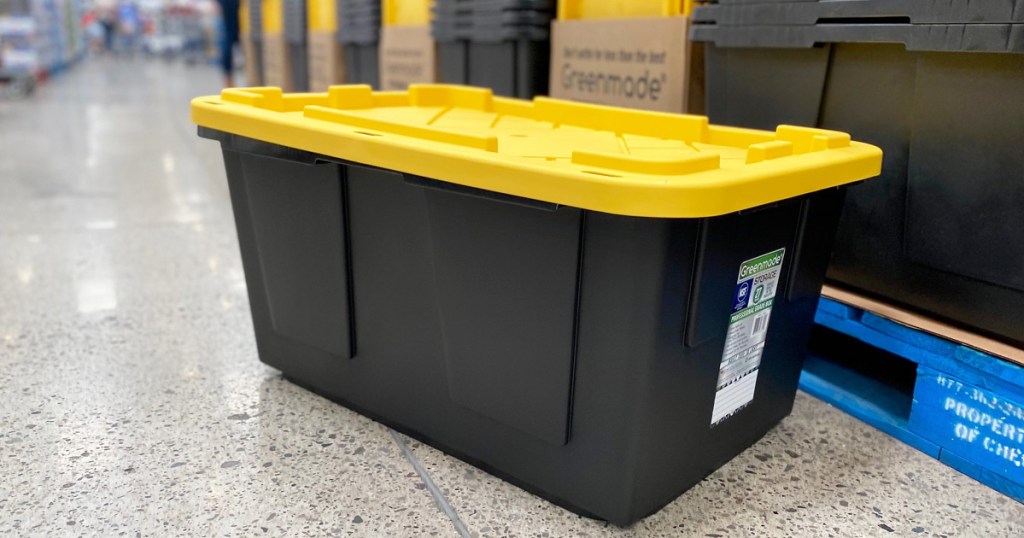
(614, 160)
(243, 17)
(622, 9)
(322, 15)
(405, 12)
(273, 16)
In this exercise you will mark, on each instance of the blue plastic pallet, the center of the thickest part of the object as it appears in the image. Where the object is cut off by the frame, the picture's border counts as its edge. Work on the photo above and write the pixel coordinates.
(966, 408)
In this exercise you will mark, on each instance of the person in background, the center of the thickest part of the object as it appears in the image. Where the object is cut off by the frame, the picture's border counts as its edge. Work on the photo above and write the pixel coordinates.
(129, 25)
(93, 30)
(108, 21)
(229, 38)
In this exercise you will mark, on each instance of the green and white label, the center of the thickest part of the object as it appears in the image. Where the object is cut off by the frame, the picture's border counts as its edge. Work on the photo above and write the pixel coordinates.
(752, 302)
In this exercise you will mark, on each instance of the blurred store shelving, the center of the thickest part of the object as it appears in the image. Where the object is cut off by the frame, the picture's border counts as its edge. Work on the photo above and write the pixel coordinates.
(42, 38)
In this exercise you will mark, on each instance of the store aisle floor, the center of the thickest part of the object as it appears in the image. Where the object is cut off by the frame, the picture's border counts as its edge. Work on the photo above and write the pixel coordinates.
(132, 401)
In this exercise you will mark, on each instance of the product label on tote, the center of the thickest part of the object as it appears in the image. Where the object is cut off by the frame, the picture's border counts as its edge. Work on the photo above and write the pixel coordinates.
(748, 325)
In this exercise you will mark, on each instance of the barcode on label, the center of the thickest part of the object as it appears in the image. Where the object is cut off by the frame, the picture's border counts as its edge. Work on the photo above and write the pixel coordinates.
(760, 324)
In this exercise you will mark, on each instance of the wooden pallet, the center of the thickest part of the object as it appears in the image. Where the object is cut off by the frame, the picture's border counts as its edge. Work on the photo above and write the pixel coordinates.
(956, 397)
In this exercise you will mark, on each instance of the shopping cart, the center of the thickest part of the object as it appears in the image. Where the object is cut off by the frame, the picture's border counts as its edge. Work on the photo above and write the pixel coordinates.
(177, 32)
(159, 40)
(186, 22)
(14, 81)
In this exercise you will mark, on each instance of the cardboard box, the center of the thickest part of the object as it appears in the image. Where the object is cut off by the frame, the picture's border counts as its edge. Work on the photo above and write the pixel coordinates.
(407, 56)
(644, 63)
(926, 324)
(326, 60)
(276, 64)
(252, 51)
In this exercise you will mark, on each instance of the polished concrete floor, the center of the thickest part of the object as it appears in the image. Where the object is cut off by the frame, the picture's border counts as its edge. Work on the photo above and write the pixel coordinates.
(132, 402)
